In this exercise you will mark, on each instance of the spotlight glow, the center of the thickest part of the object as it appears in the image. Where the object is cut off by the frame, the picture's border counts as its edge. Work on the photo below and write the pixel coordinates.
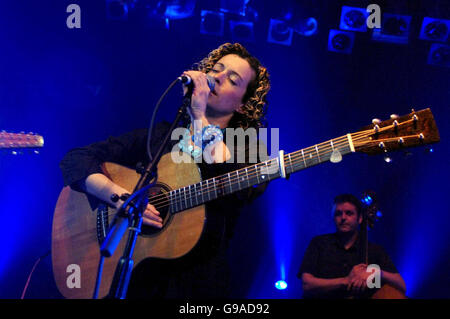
(281, 285)
(367, 200)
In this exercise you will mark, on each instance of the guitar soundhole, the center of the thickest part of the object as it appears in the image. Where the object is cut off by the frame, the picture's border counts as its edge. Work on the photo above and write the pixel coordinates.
(158, 197)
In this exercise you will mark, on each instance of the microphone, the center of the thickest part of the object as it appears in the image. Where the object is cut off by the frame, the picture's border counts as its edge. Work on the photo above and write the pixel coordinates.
(185, 79)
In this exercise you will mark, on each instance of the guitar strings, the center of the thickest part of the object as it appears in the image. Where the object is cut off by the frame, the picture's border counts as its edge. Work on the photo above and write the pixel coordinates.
(252, 172)
(173, 200)
(163, 199)
(356, 137)
(178, 198)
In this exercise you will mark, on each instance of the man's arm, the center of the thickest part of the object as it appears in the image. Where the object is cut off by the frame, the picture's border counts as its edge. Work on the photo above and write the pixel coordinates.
(394, 279)
(313, 285)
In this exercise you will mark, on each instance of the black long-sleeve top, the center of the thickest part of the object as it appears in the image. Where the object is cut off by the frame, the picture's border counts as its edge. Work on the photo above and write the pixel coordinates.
(130, 149)
(203, 273)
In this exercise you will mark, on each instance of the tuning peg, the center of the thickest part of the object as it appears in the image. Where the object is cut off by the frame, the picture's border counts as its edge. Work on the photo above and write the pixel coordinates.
(375, 122)
(394, 116)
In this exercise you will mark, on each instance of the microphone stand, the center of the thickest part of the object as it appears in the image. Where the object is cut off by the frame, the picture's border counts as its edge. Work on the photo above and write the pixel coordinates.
(132, 210)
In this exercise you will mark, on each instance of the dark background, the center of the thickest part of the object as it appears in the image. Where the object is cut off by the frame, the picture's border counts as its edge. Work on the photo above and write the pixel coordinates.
(77, 86)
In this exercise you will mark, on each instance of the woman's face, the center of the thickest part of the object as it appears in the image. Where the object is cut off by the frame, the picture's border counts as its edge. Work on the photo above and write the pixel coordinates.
(232, 74)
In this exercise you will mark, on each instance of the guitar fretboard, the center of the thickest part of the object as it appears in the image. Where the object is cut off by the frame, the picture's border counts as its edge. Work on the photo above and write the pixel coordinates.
(213, 188)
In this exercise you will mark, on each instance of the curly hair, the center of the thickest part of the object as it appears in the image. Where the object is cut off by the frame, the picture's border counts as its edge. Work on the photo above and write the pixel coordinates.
(253, 112)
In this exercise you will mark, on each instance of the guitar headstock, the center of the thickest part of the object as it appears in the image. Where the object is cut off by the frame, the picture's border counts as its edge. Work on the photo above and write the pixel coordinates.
(399, 132)
(17, 141)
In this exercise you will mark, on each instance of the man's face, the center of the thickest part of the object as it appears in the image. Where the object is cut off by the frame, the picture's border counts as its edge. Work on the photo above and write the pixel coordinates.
(346, 217)
(232, 75)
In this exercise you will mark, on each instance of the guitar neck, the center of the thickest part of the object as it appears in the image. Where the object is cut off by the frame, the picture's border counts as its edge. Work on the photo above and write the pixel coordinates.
(213, 188)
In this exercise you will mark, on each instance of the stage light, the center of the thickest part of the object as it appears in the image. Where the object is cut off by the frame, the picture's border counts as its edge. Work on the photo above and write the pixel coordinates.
(341, 41)
(306, 27)
(242, 31)
(212, 23)
(233, 6)
(353, 19)
(279, 32)
(439, 55)
(116, 10)
(435, 29)
(367, 200)
(177, 9)
(394, 29)
(281, 285)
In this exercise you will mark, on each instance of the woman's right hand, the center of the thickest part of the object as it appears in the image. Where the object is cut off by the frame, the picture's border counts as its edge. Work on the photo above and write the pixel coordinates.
(200, 94)
(152, 217)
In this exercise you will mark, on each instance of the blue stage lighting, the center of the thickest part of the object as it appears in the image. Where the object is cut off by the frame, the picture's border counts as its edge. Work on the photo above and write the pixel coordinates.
(439, 55)
(116, 10)
(233, 6)
(353, 19)
(242, 31)
(435, 29)
(281, 285)
(179, 9)
(306, 27)
(394, 29)
(212, 23)
(341, 41)
(279, 32)
(367, 200)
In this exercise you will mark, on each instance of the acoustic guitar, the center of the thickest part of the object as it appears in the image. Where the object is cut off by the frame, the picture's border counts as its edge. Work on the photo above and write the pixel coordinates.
(81, 222)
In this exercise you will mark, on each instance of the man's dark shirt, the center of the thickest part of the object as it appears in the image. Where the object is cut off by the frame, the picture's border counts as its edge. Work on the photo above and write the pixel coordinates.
(327, 258)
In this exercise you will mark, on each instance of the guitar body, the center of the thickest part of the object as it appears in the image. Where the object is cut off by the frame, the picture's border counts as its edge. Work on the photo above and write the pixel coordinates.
(76, 228)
